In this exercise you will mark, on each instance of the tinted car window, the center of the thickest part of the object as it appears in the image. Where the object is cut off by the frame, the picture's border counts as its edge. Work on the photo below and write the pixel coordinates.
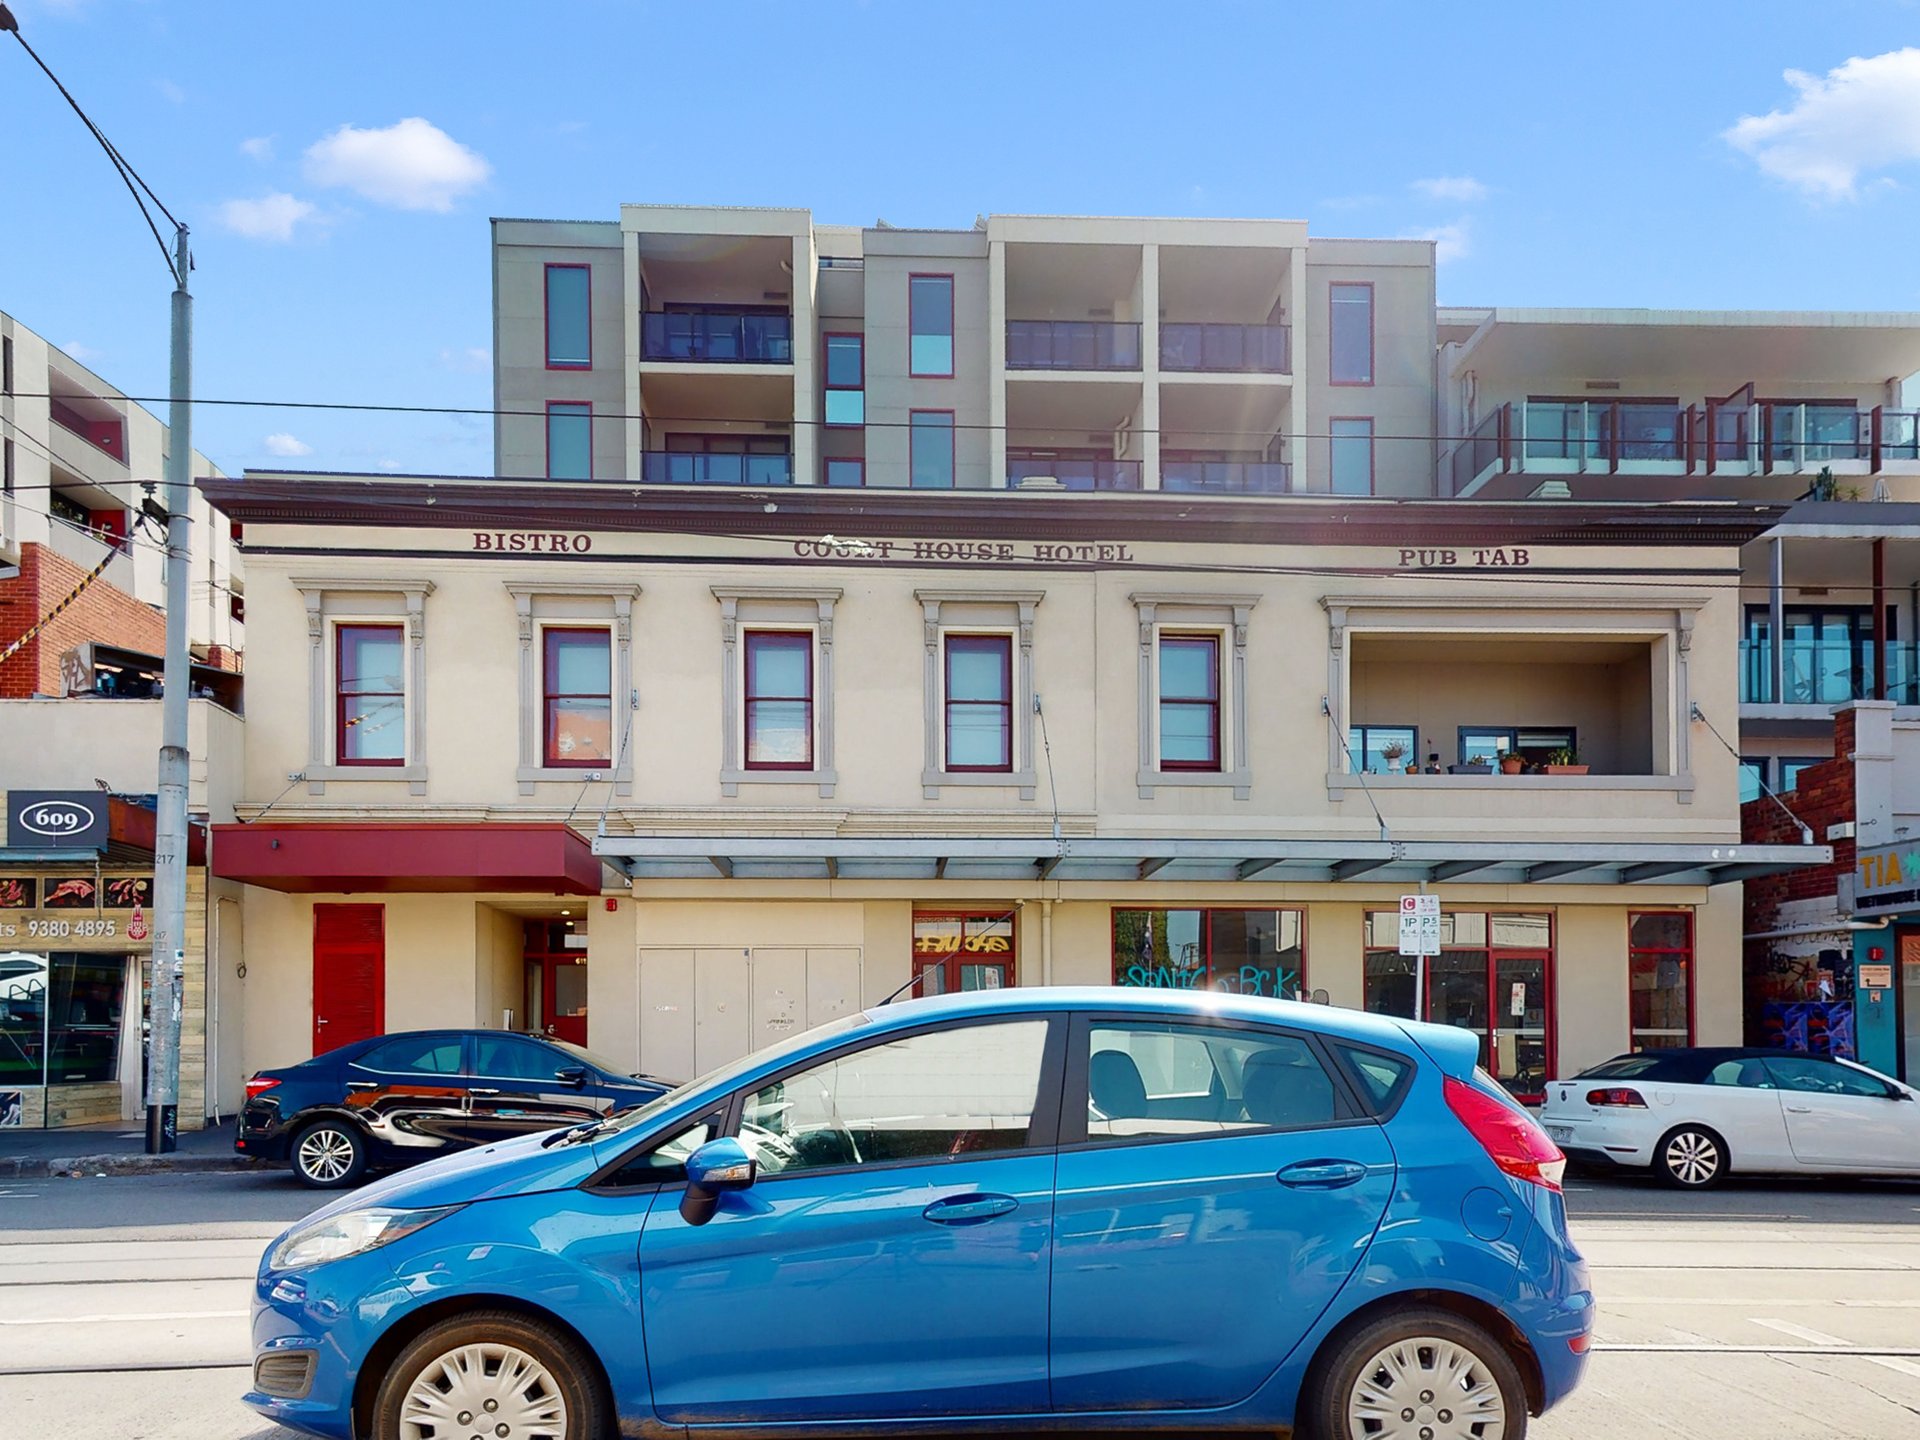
(415, 1055)
(508, 1057)
(1381, 1077)
(964, 1090)
(1629, 1067)
(1155, 1080)
(1823, 1077)
(666, 1162)
(1746, 1074)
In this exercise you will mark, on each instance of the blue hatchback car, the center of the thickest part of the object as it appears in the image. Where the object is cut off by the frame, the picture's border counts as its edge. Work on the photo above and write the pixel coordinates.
(994, 1212)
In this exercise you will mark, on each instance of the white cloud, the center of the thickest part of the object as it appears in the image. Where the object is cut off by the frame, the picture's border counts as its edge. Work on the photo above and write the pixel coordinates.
(286, 446)
(170, 92)
(271, 217)
(257, 147)
(413, 165)
(1450, 242)
(469, 359)
(1859, 117)
(1460, 189)
(85, 354)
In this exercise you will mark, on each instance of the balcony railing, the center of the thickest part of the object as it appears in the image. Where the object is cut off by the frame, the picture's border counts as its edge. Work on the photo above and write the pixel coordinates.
(1076, 474)
(1073, 345)
(1242, 349)
(1227, 477)
(717, 337)
(1831, 672)
(674, 467)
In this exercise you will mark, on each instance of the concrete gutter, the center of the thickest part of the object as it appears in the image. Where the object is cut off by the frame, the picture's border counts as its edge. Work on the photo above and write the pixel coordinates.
(38, 1167)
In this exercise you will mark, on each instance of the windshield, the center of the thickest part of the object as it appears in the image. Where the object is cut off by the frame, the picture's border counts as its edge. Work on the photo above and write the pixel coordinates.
(720, 1077)
(612, 1067)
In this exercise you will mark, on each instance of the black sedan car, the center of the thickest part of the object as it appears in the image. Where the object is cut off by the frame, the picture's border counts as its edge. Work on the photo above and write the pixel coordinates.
(396, 1099)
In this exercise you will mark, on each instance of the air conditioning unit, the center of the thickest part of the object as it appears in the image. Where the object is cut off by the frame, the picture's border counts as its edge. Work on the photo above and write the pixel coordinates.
(1040, 482)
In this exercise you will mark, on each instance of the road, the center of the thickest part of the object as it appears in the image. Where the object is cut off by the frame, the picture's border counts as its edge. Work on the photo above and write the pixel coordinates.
(1765, 1311)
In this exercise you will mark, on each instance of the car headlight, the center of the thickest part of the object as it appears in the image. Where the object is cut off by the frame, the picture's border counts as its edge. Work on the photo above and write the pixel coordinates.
(350, 1233)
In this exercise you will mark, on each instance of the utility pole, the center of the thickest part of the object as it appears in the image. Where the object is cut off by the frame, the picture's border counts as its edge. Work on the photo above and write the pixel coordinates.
(167, 970)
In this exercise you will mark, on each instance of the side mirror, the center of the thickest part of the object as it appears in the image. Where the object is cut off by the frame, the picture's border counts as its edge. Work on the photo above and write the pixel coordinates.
(574, 1075)
(716, 1167)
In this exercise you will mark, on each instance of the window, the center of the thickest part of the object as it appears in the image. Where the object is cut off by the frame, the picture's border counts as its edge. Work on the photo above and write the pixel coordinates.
(577, 697)
(508, 1057)
(569, 317)
(1383, 749)
(1790, 771)
(1189, 702)
(1659, 980)
(1350, 333)
(979, 702)
(1184, 1081)
(1485, 744)
(846, 472)
(6, 468)
(1382, 1078)
(779, 708)
(1828, 653)
(666, 1163)
(846, 396)
(962, 951)
(569, 440)
(1241, 952)
(1753, 774)
(1749, 1074)
(414, 1055)
(6, 364)
(963, 1091)
(932, 454)
(1350, 470)
(1809, 1076)
(371, 697)
(930, 325)
(84, 1011)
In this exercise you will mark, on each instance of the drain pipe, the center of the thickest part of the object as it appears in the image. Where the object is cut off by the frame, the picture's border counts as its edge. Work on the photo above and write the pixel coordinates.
(1046, 942)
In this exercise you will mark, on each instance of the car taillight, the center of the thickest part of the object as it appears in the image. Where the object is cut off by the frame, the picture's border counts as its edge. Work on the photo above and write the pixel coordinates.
(259, 1085)
(1510, 1136)
(1616, 1097)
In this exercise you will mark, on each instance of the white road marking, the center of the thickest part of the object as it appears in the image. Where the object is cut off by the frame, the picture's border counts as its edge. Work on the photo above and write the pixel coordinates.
(1802, 1332)
(1614, 1302)
(115, 1319)
(1905, 1367)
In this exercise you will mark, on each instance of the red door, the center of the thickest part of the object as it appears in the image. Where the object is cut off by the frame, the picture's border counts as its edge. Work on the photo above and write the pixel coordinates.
(349, 974)
(563, 996)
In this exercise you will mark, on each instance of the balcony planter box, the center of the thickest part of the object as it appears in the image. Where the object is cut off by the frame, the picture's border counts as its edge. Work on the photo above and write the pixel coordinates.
(1512, 765)
(1565, 769)
(1469, 769)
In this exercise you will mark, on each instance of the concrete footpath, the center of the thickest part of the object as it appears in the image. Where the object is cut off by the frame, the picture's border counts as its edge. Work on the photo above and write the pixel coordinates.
(118, 1148)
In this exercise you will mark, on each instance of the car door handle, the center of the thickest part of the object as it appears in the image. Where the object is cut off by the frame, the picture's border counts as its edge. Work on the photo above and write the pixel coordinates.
(1322, 1174)
(480, 1090)
(970, 1209)
(363, 1084)
(1799, 1109)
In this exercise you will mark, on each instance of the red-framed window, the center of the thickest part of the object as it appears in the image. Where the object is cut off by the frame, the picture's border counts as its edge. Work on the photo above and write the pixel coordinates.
(569, 440)
(956, 950)
(370, 695)
(931, 456)
(930, 326)
(845, 471)
(569, 310)
(1350, 454)
(576, 696)
(1350, 332)
(1241, 951)
(845, 364)
(779, 699)
(978, 700)
(1659, 979)
(1189, 668)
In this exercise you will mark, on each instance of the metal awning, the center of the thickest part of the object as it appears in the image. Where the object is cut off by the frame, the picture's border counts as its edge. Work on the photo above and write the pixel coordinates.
(1182, 860)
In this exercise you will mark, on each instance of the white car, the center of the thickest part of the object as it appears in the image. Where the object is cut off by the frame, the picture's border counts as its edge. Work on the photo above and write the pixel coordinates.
(1695, 1115)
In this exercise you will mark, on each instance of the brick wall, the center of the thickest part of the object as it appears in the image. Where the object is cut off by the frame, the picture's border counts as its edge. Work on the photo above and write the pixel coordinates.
(224, 657)
(103, 613)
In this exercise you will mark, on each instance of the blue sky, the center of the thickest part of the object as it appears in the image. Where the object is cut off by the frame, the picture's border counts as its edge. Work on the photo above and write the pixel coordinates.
(1562, 155)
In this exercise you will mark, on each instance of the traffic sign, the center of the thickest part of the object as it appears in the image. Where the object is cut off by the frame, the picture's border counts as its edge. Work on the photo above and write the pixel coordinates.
(1419, 924)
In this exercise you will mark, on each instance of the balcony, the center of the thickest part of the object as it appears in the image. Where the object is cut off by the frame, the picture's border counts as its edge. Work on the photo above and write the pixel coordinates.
(1073, 345)
(1074, 473)
(1227, 477)
(1226, 349)
(717, 337)
(672, 467)
(1828, 672)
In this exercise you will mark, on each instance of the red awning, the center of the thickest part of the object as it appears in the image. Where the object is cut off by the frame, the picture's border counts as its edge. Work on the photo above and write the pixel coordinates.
(348, 857)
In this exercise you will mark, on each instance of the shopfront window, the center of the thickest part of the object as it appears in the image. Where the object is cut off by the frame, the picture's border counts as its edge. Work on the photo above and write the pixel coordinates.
(1493, 976)
(1241, 952)
(1660, 980)
(60, 1018)
(957, 950)
(23, 1018)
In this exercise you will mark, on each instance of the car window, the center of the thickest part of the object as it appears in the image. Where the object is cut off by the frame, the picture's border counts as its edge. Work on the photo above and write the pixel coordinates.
(507, 1057)
(415, 1055)
(1381, 1077)
(666, 1162)
(962, 1090)
(1745, 1074)
(1823, 1077)
(1626, 1067)
(1147, 1079)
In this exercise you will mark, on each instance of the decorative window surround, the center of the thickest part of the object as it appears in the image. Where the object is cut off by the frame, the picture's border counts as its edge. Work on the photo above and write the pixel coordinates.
(330, 602)
(1196, 612)
(538, 604)
(764, 605)
(1017, 607)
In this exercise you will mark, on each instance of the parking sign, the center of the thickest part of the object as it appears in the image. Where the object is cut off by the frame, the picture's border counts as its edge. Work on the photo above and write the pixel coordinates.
(1419, 924)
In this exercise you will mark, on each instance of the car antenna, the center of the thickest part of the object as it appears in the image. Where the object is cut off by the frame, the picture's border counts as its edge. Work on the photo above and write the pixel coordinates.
(906, 987)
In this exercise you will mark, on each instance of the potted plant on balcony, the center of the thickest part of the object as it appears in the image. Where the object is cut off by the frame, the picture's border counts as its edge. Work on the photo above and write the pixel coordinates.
(1391, 753)
(1476, 765)
(1564, 761)
(1512, 762)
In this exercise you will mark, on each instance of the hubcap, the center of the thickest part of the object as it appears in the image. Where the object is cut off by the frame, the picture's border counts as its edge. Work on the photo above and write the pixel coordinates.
(326, 1154)
(1692, 1157)
(1426, 1389)
(518, 1396)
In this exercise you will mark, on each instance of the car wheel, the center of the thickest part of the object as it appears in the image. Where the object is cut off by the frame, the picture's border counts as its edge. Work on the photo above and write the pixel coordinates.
(1423, 1372)
(329, 1155)
(491, 1373)
(1691, 1158)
